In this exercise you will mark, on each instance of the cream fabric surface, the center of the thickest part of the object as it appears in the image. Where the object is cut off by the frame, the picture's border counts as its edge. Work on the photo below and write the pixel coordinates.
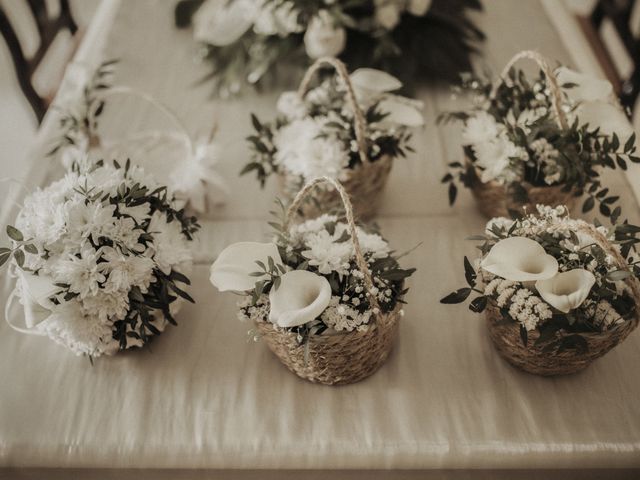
(203, 396)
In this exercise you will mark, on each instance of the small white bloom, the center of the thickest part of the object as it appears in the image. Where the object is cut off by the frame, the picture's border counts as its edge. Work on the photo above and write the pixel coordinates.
(387, 13)
(221, 23)
(291, 105)
(169, 246)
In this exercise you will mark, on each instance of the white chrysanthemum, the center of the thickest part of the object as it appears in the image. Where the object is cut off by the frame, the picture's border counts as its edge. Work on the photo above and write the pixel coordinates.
(480, 128)
(291, 105)
(373, 243)
(169, 244)
(82, 273)
(41, 218)
(106, 306)
(495, 159)
(126, 271)
(82, 335)
(326, 254)
(302, 152)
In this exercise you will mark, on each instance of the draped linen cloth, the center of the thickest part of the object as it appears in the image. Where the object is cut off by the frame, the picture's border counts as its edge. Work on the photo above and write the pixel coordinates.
(203, 396)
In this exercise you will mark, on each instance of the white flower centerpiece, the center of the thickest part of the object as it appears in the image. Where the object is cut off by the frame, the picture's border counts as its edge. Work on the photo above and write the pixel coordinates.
(247, 41)
(326, 295)
(349, 128)
(541, 142)
(557, 292)
(186, 166)
(101, 259)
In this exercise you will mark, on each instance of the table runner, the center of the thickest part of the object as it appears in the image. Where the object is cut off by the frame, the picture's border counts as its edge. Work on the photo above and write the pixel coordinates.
(203, 396)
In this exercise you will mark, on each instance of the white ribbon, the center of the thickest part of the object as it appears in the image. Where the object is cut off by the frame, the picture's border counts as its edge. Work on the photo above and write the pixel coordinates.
(35, 292)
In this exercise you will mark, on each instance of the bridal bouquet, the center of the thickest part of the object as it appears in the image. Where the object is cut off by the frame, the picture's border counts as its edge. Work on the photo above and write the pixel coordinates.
(541, 142)
(100, 258)
(248, 40)
(187, 167)
(350, 128)
(557, 292)
(325, 294)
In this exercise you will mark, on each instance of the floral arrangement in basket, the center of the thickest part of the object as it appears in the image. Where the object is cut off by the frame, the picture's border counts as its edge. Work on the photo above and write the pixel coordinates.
(326, 295)
(541, 142)
(248, 40)
(557, 292)
(101, 259)
(349, 128)
(187, 167)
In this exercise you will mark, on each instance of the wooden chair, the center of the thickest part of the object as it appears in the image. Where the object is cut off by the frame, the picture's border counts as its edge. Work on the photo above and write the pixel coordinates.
(619, 13)
(47, 29)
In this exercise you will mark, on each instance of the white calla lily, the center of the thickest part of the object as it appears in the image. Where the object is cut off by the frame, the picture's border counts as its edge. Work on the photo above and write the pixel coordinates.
(301, 297)
(221, 22)
(566, 290)
(586, 88)
(370, 79)
(520, 259)
(233, 268)
(609, 118)
(401, 111)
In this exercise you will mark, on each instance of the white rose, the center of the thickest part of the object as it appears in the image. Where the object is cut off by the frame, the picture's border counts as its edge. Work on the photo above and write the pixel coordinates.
(323, 38)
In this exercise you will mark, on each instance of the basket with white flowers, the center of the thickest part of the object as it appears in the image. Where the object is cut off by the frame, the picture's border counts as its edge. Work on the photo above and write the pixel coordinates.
(545, 141)
(248, 41)
(101, 259)
(322, 133)
(557, 292)
(326, 295)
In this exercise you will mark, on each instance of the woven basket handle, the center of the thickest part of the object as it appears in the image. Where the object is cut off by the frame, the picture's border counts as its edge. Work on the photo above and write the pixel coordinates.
(359, 122)
(552, 81)
(348, 208)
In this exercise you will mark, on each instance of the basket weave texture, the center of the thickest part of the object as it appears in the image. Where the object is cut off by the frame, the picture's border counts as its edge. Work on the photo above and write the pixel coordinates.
(365, 182)
(335, 358)
(492, 198)
(533, 359)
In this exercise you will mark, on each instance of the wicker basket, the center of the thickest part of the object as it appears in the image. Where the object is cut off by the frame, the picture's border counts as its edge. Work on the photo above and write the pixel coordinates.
(365, 182)
(335, 358)
(533, 358)
(492, 198)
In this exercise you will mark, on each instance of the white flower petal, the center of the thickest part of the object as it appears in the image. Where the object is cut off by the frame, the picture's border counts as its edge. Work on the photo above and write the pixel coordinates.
(567, 290)
(519, 259)
(232, 269)
(400, 112)
(323, 38)
(587, 88)
(301, 297)
(375, 80)
(220, 22)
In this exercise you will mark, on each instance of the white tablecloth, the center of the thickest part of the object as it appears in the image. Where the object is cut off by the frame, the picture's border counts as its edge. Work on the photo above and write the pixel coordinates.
(204, 397)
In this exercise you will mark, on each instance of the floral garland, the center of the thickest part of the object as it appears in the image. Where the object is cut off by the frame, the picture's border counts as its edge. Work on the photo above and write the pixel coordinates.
(308, 281)
(315, 136)
(247, 40)
(511, 136)
(99, 257)
(548, 272)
